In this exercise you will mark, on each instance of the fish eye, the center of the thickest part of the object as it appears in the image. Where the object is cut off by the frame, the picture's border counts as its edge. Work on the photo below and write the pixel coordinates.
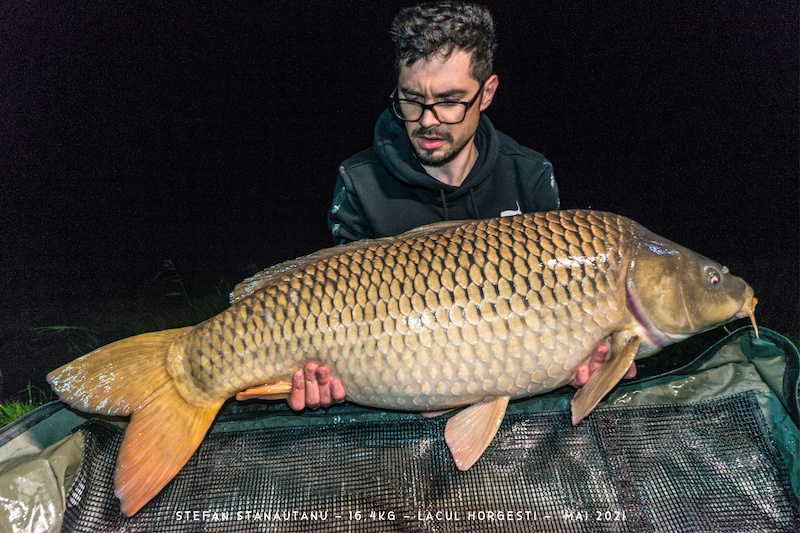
(713, 277)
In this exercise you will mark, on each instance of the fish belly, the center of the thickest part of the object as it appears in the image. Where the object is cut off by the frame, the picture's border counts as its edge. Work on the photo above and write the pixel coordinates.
(507, 306)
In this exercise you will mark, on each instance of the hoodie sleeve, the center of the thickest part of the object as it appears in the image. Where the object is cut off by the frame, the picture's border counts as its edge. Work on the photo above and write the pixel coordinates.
(346, 218)
(544, 193)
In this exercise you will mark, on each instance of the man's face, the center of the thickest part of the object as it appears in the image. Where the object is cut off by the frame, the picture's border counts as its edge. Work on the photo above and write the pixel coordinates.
(439, 80)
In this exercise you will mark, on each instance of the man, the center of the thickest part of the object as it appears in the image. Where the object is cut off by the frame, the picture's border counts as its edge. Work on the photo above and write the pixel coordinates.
(435, 156)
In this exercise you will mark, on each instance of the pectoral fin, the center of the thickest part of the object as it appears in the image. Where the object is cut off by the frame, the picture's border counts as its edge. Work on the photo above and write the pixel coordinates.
(623, 351)
(277, 390)
(469, 432)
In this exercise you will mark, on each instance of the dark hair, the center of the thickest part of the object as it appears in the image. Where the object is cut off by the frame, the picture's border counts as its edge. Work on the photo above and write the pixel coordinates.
(425, 30)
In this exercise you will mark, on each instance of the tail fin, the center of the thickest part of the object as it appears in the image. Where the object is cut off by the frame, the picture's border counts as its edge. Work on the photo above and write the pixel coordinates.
(161, 438)
(129, 377)
(117, 378)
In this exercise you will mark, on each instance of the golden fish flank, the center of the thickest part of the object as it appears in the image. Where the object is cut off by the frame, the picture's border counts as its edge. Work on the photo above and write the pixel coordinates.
(505, 307)
(444, 316)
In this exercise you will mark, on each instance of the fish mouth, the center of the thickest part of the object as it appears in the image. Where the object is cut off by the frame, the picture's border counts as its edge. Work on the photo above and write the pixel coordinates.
(748, 308)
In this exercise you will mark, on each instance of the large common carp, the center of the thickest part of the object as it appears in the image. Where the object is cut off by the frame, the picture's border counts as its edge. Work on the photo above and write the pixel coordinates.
(445, 316)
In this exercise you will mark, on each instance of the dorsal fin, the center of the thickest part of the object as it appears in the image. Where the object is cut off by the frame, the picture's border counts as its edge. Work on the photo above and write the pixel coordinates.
(266, 276)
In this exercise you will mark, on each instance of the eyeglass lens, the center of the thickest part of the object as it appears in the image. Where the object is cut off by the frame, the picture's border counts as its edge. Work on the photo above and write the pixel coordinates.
(445, 112)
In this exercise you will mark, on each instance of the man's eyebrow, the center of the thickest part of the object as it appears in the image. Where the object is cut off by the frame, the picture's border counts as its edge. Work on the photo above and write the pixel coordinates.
(452, 94)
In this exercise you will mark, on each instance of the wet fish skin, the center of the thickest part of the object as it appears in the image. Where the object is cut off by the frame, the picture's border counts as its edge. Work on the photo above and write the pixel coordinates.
(507, 306)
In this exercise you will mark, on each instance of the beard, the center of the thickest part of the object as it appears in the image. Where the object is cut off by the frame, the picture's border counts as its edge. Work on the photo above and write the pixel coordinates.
(427, 157)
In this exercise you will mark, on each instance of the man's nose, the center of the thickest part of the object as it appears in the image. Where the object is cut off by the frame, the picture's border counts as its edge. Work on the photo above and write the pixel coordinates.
(428, 119)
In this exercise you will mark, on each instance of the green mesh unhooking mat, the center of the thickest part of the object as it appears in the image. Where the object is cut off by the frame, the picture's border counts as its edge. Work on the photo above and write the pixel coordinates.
(710, 466)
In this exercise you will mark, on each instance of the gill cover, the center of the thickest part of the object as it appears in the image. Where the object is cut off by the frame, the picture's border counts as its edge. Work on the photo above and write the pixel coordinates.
(682, 292)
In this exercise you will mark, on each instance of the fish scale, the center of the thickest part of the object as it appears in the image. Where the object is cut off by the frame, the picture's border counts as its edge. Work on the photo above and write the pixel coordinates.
(507, 306)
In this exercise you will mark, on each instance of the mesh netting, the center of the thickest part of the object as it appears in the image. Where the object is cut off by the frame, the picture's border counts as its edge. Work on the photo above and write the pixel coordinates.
(710, 466)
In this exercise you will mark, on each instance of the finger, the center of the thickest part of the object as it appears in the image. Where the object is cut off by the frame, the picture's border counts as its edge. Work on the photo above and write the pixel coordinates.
(631, 371)
(597, 359)
(297, 398)
(600, 353)
(581, 376)
(322, 375)
(324, 378)
(337, 390)
(312, 387)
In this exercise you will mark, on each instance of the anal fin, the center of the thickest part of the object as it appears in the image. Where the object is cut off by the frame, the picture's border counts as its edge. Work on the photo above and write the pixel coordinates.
(161, 437)
(276, 390)
(470, 432)
(623, 351)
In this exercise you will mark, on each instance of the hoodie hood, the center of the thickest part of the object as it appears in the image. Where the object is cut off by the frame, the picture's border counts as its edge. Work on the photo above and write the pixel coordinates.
(383, 190)
(395, 152)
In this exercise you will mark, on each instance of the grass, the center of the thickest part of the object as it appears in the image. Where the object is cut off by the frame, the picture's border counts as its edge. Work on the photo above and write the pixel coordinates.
(11, 410)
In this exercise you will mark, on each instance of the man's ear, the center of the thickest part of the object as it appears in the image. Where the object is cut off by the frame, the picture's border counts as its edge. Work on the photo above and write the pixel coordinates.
(489, 89)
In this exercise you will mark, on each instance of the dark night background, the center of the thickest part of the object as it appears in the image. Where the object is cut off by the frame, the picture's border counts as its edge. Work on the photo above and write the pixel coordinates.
(209, 134)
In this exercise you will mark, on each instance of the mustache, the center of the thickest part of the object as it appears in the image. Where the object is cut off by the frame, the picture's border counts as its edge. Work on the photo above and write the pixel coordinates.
(433, 132)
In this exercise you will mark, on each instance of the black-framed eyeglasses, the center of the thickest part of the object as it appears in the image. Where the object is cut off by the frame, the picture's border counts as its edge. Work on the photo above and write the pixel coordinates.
(446, 112)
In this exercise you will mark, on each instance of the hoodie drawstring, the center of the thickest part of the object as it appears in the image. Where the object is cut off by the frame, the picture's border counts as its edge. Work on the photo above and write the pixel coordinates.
(472, 199)
(475, 213)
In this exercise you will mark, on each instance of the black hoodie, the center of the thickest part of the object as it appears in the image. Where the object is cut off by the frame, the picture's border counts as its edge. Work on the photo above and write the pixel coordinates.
(384, 190)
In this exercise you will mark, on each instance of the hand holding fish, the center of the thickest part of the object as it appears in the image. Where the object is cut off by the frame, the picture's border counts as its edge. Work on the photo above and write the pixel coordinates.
(598, 357)
(313, 387)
